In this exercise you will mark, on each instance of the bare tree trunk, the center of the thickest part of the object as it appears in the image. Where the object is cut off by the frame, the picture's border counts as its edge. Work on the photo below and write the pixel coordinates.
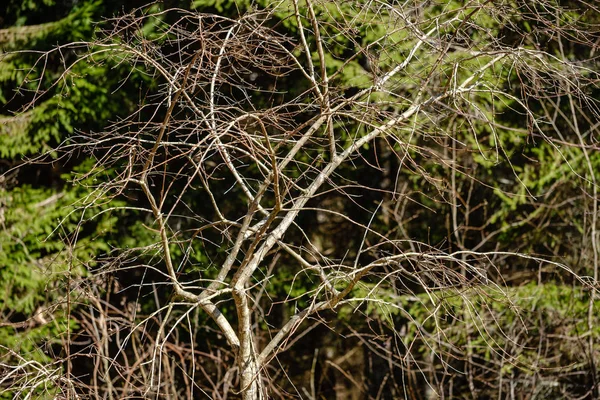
(249, 375)
(249, 369)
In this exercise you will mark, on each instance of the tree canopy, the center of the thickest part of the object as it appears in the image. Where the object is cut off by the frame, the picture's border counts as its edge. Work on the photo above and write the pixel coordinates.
(299, 199)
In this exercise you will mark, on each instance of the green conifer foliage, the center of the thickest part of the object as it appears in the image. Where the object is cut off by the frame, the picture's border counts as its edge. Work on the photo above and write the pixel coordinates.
(51, 229)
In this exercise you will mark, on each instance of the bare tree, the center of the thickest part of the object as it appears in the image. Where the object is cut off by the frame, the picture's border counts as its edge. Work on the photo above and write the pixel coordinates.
(304, 137)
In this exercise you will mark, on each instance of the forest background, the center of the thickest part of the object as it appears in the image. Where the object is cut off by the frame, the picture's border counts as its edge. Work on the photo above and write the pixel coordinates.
(453, 254)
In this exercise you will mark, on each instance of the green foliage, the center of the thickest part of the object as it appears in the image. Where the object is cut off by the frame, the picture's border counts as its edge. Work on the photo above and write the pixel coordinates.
(84, 98)
(34, 252)
(491, 325)
(75, 26)
(41, 211)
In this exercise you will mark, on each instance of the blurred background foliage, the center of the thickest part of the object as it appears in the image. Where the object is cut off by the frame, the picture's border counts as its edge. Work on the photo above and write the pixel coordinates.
(511, 192)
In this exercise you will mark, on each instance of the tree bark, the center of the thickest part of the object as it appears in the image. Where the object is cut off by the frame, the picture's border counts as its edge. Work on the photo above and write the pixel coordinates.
(250, 382)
